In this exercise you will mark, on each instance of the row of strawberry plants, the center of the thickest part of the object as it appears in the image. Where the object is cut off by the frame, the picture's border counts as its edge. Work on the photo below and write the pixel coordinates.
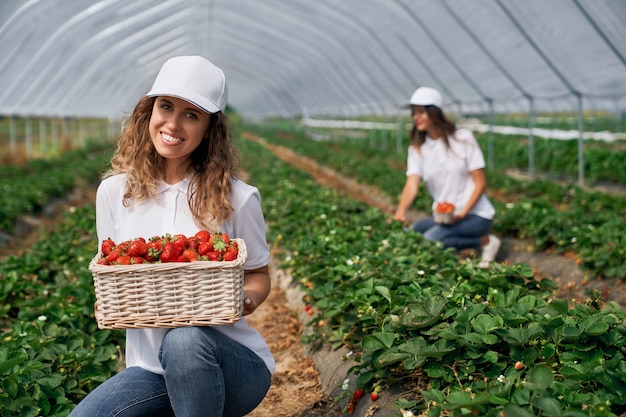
(602, 160)
(552, 216)
(488, 342)
(27, 189)
(52, 352)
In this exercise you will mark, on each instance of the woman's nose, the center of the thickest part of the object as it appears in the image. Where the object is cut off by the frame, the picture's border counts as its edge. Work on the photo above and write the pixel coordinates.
(173, 121)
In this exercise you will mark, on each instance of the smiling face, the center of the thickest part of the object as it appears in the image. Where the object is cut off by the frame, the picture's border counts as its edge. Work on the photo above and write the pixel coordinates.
(177, 127)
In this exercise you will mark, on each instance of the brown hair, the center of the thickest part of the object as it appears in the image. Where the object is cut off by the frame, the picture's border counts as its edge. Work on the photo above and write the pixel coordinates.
(440, 122)
(212, 165)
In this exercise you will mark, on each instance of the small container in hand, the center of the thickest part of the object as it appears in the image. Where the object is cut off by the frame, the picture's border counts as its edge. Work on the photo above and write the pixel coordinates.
(444, 213)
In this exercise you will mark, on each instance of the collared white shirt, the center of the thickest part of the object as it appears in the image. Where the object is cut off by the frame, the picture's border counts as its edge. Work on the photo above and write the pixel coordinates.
(168, 212)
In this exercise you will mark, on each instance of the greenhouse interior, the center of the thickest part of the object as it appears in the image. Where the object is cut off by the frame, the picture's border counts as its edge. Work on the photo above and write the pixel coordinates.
(374, 305)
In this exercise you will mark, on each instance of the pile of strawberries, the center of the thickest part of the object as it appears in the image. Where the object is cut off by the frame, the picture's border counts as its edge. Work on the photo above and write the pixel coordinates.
(444, 207)
(203, 246)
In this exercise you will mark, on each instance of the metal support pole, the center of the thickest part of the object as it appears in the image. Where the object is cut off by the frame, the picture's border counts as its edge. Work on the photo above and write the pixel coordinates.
(581, 158)
(531, 138)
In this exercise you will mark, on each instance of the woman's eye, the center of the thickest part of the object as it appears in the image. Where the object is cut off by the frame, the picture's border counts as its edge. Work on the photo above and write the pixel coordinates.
(166, 106)
(192, 116)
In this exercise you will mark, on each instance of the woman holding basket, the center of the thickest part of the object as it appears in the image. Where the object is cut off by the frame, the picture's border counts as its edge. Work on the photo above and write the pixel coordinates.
(175, 171)
(451, 164)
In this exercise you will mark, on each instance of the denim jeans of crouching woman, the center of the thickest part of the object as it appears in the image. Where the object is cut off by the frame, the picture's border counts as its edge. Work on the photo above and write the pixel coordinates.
(464, 234)
(206, 374)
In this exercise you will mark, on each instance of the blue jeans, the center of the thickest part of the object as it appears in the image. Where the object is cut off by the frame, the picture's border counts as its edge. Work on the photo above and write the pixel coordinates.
(464, 234)
(206, 374)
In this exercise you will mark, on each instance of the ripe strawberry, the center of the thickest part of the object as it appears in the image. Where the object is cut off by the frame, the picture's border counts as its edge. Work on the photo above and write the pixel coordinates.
(170, 252)
(137, 260)
(181, 242)
(213, 256)
(230, 254)
(190, 254)
(112, 257)
(519, 365)
(154, 250)
(182, 258)
(357, 394)
(137, 248)
(123, 260)
(203, 235)
(204, 248)
(107, 246)
(193, 243)
(373, 396)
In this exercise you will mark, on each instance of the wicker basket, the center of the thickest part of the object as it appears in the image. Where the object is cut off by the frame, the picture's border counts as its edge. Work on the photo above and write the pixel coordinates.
(201, 293)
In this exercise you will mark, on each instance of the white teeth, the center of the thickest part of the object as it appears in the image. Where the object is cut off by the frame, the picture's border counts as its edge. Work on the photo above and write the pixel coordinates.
(170, 139)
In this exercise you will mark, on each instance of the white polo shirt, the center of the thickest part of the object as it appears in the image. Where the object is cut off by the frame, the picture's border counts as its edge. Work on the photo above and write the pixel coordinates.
(446, 171)
(169, 213)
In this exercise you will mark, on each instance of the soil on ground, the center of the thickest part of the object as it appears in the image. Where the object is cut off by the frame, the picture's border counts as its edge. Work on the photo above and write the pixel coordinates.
(296, 389)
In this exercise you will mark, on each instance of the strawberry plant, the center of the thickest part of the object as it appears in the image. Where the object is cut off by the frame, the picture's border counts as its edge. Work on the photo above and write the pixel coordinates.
(52, 352)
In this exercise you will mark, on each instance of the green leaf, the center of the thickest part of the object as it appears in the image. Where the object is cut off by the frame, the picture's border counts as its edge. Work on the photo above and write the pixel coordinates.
(549, 406)
(592, 326)
(561, 305)
(377, 341)
(458, 399)
(12, 359)
(473, 338)
(384, 291)
(485, 323)
(512, 410)
(541, 375)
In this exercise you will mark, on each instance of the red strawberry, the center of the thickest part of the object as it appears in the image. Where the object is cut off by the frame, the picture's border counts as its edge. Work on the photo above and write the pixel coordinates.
(230, 254)
(181, 242)
(190, 254)
(357, 394)
(193, 243)
(213, 256)
(107, 246)
(170, 252)
(373, 396)
(112, 257)
(137, 248)
(154, 250)
(204, 248)
(203, 235)
(123, 260)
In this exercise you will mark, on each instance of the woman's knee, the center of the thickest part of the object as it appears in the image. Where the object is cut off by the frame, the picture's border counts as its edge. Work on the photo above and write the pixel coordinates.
(184, 342)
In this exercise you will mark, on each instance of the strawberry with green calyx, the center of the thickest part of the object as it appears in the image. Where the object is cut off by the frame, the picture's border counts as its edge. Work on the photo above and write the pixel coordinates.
(219, 241)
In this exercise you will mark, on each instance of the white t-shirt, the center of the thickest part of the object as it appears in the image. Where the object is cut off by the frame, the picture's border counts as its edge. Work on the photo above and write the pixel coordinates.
(446, 171)
(169, 213)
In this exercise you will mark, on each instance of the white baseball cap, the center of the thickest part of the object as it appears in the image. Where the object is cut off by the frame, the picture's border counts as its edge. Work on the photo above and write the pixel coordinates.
(193, 79)
(426, 96)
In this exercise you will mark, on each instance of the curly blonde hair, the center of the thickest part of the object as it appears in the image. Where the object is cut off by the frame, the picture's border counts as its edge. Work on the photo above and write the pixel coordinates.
(212, 165)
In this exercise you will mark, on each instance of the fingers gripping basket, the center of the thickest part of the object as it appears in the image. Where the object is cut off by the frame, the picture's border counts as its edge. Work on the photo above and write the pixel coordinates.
(175, 294)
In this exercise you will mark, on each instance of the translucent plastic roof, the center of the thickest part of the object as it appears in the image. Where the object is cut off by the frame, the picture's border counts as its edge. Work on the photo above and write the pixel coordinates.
(288, 57)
